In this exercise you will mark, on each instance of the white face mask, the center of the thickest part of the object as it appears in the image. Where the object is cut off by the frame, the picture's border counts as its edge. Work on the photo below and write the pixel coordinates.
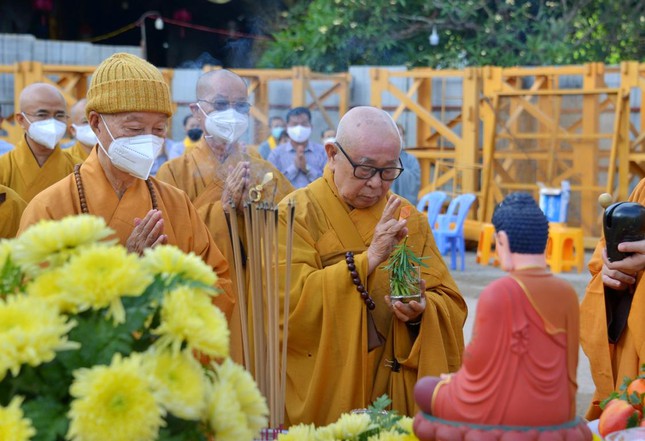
(299, 134)
(85, 134)
(135, 154)
(47, 132)
(226, 126)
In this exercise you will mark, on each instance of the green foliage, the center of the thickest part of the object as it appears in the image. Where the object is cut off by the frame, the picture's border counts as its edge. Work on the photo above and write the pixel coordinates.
(403, 268)
(330, 36)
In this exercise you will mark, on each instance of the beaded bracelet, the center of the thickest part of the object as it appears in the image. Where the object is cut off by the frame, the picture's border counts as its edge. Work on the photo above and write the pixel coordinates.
(349, 258)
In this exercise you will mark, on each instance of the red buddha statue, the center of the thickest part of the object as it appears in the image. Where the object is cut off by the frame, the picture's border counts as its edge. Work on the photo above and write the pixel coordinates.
(518, 378)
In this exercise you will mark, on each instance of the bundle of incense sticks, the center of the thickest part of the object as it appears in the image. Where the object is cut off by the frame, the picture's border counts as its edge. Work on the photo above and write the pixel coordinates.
(263, 354)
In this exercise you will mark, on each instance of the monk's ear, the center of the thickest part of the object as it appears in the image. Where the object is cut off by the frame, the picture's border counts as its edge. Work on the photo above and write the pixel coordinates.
(332, 151)
(22, 121)
(93, 120)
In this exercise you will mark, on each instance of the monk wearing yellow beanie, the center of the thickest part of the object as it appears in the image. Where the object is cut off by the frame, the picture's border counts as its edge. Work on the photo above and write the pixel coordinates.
(128, 108)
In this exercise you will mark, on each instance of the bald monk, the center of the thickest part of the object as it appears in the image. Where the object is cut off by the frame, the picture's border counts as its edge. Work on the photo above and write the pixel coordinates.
(342, 355)
(520, 367)
(11, 208)
(128, 108)
(218, 170)
(37, 161)
(81, 131)
(611, 315)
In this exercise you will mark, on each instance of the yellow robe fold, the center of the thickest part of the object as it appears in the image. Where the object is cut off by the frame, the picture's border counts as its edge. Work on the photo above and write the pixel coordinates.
(201, 176)
(609, 363)
(11, 208)
(329, 368)
(20, 171)
(78, 152)
(182, 225)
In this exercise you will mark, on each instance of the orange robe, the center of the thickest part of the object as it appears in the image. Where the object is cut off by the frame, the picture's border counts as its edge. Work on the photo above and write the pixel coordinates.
(11, 208)
(611, 363)
(329, 367)
(20, 171)
(78, 152)
(202, 176)
(182, 225)
(520, 367)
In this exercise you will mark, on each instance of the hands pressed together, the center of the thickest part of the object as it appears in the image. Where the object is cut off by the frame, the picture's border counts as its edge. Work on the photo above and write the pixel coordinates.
(147, 233)
(237, 184)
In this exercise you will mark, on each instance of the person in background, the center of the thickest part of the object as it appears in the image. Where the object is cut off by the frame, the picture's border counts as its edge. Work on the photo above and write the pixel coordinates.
(348, 346)
(300, 160)
(278, 129)
(81, 132)
(4, 145)
(128, 108)
(328, 135)
(38, 161)
(193, 135)
(409, 182)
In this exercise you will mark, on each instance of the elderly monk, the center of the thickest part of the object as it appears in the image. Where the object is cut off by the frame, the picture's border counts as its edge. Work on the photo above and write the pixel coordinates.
(217, 171)
(81, 131)
(342, 354)
(37, 161)
(520, 367)
(611, 315)
(128, 108)
(11, 208)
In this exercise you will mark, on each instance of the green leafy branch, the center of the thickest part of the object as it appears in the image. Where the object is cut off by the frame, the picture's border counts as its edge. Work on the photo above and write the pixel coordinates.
(402, 264)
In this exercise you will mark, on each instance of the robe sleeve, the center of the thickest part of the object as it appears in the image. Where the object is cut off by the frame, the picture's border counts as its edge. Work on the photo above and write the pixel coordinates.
(11, 208)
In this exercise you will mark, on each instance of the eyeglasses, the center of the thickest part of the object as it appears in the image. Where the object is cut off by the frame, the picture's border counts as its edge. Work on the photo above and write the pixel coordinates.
(367, 171)
(221, 105)
(43, 115)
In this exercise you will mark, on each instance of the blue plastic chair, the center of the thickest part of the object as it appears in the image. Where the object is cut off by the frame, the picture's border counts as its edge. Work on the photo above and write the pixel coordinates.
(449, 234)
(434, 202)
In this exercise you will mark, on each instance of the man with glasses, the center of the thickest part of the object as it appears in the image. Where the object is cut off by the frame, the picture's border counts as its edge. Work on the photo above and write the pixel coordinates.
(299, 159)
(218, 171)
(348, 344)
(37, 161)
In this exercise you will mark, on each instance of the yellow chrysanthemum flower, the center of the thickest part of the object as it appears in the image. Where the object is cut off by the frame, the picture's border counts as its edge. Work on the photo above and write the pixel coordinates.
(350, 425)
(187, 315)
(392, 435)
(251, 401)
(326, 433)
(99, 276)
(31, 332)
(225, 415)
(405, 423)
(114, 403)
(13, 425)
(300, 432)
(6, 249)
(47, 288)
(179, 382)
(168, 261)
(54, 241)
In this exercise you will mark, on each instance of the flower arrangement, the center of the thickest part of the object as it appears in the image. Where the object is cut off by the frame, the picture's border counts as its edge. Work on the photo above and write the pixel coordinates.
(373, 424)
(97, 344)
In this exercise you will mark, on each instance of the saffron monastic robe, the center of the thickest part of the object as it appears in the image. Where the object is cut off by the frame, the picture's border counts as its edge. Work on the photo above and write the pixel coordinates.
(11, 208)
(182, 225)
(329, 367)
(20, 171)
(78, 152)
(520, 367)
(202, 176)
(612, 334)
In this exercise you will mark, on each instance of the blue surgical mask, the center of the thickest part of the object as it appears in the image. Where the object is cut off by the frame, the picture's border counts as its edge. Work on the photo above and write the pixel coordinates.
(277, 132)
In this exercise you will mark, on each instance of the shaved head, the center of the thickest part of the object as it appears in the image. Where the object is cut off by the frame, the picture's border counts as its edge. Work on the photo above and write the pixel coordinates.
(364, 124)
(77, 112)
(211, 80)
(36, 93)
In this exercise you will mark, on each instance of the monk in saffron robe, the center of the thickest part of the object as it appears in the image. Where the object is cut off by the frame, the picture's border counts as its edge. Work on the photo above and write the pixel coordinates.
(81, 131)
(341, 355)
(11, 208)
(37, 161)
(611, 316)
(520, 367)
(128, 109)
(218, 170)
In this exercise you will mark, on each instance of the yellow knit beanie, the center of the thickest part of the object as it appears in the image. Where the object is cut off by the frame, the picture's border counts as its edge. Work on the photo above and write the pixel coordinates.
(126, 83)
